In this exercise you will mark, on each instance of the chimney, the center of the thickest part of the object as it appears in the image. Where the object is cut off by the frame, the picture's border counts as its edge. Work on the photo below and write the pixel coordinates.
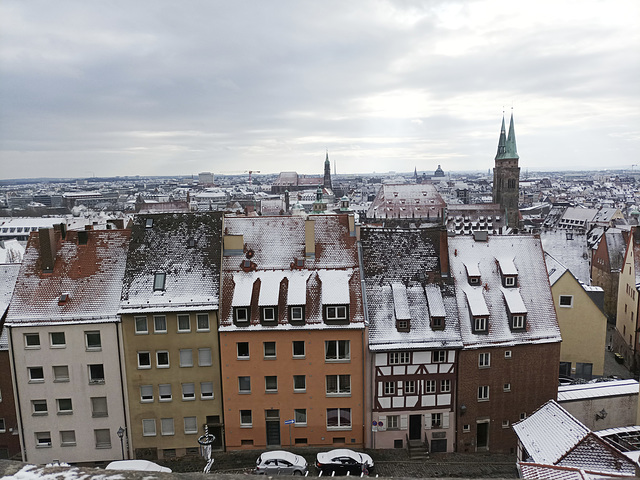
(286, 201)
(47, 238)
(309, 238)
(444, 252)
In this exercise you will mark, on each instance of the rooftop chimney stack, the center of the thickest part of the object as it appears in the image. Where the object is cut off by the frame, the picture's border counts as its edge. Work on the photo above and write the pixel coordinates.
(47, 249)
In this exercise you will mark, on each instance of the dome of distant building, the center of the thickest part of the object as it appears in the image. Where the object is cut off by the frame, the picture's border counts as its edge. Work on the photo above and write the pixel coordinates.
(439, 172)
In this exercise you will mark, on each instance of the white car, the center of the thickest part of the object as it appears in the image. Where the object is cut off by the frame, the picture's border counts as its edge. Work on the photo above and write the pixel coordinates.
(343, 460)
(141, 465)
(280, 462)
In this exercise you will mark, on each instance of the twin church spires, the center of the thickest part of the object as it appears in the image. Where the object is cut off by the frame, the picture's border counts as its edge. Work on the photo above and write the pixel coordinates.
(506, 175)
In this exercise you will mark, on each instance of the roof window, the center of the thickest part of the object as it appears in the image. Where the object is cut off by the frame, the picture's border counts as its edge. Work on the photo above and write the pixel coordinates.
(191, 242)
(159, 279)
(64, 297)
(149, 223)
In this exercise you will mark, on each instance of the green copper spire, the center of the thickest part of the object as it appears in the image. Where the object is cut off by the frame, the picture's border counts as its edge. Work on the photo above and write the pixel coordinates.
(512, 151)
(502, 143)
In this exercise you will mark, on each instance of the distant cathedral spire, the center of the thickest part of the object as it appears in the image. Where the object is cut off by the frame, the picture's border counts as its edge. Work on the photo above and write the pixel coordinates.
(511, 150)
(506, 175)
(327, 172)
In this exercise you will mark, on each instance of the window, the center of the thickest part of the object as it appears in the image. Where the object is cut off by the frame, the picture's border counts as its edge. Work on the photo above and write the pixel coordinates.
(184, 323)
(36, 374)
(43, 439)
(141, 325)
(67, 438)
(103, 438)
(186, 357)
(166, 426)
(64, 406)
(517, 322)
(144, 360)
(96, 373)
(57, 339)
(268, 314)
(402, 325)
(244, 384)
(243, 350)
(299, 383)
(39, 407)
(336, 313)
(484, 360)
(505, 424)
(159, 279)
(339, 418)
(479, 324)
(159, 324)
(439, 356)
(584, 370)
(190, 425)
(466, 428)
(61, 373)
(445, 386)
(149, 427)
(399, 358)
(296, 314)
(99, 407)
(188, 391)
(509, 281)
(298, 349)
(245, 418)
(241, 314)
(410, 387)
(3, 427)
(149, 223)
(483, 393)
(437, 323)
(338, 384)
(300, 416)
(93, 340)
(203, 322)
(269, 349)
(566, 301)
(506, 387)
(523, 415)
(337, 350)
(206, 390)
(393, 422)
(389, 388)
(146, 393)
(162, 359)
(430, 386)
(204, 357)
(436, 420)
(32, 340)
(164, 392)
(507, 354)
(271, 384)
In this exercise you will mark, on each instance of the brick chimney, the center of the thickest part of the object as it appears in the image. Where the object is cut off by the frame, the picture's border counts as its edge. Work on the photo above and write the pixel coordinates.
(47, 238)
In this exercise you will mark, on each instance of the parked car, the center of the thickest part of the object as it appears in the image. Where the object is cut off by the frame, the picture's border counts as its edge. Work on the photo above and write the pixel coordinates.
(280, 462)
(343, 460)
(140, 465)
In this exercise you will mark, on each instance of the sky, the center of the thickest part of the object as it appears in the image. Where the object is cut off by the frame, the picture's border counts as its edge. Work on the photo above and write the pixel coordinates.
(156, 87)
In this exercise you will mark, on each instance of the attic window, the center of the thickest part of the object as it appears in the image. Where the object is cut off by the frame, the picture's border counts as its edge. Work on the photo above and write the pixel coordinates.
(159, 281)
(269, 315)
(336, 313)
(518, 321)
(241, 315)
(63, 298)
(509, 281)
(403, 325)
(149, 223)
(83, 237)
(480, 324)
(474, 280)
(191, 242)
(437, 323)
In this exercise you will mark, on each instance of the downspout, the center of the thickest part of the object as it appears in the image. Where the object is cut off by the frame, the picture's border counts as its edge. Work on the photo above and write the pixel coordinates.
(125, 404)
(17, 398)
(366, 379)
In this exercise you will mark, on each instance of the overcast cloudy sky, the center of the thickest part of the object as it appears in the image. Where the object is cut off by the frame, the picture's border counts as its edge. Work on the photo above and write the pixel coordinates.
(154, 87)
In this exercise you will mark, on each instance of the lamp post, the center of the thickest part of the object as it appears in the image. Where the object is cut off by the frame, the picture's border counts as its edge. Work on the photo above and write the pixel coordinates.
(120, 433)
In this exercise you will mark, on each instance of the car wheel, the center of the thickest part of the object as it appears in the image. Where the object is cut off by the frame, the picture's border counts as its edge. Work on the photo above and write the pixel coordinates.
(297, 472)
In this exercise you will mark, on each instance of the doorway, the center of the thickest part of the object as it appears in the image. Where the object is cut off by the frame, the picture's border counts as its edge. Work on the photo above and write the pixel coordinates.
(414, 427)
(482, 435)
(273, 427)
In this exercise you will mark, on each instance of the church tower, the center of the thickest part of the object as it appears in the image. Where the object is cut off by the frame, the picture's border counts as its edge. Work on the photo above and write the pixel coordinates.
(327, 173)
(506, 175)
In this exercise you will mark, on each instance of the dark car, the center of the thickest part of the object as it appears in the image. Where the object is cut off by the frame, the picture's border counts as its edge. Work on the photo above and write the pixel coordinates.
(343, 460)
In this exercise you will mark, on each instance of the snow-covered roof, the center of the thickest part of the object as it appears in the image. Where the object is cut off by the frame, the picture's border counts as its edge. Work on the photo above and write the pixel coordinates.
(533, 288)
(183, 246)
(616, 247)
(570, 249)
(514, 301)
(407, 201)
(90, 273)
(568, 393)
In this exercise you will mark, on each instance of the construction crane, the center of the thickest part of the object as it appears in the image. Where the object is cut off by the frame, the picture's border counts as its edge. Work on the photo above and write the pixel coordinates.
(250, 172)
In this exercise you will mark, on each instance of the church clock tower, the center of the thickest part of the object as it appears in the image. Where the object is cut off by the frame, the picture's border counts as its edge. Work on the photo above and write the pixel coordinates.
(506, 175)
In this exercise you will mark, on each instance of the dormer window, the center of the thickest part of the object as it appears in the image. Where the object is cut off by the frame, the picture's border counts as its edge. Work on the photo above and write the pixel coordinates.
(299, 262)
(296, 313)
(518, 321)
(437, 323)
(268, 315)
(241, 315)
(191, 242)
(336, 313)
(480, 324)
(63, 298)
(159, 281)
(473, 273)
(474, 280)
(509, 281)
(403, 325)
(508, 272)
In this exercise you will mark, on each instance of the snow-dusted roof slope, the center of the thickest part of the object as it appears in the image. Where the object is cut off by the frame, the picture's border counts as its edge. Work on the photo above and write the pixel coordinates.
(567, 393)
(616, 247)
(184, 246)
(404, 282)
(273, 269)
(532, 293)
(89, 272)
(570, 249)
(407, 201)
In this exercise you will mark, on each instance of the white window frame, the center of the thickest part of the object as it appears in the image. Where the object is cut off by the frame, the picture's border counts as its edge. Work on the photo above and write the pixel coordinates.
(206, 328)
(70, 439)
(300, 417)
(188, 391)
(64, 411)
(430, 386)
(243, 357)
(149, 427)
(96, 381)
(507, 354)
(296, 313)
(268, 314)
(37, 407)
(264, 350)
(509, 281)
(91, 348)
(190, 425)
(141, 356)
(570, 297)
(43, 439)
(339, 416)
(389, 388)
(246, 314)
(163, 389)
(336, 312)
(304, 381)
(205, 359)
(32, 370)
(269, 379)
(167, 427)
(243, 422)
(393, 422)
(156, 320)
(342, 383)
(293, 349)
(141, 329)
(58, 376)
(183, 316)
(144, 392)
(163, 364)
(410, 387)
(159, 281)
(517, 321)
(337, 344)
(483, 393)
(57, 345)
(439, 356)
(242, 379)
(206, 391)
(480, 324)
(445, 386)
(484, 360)
(186, 357)
(32, 336)
(506, 387)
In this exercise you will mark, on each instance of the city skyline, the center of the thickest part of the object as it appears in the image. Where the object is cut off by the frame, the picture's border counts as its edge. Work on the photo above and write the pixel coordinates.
(166, 89)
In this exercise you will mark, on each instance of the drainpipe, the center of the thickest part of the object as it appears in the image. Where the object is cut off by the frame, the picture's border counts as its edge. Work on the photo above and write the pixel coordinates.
(366, 379)
(17, 397)
(123, 386)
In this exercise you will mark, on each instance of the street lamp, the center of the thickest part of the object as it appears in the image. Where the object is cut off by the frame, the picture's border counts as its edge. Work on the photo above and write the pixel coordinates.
(120, 433)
